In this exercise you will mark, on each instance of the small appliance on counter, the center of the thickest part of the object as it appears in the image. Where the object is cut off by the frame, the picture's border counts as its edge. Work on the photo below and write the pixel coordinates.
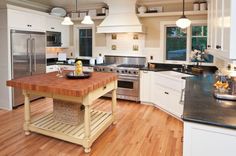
(92, 61)
(99, 60)
(225, 87)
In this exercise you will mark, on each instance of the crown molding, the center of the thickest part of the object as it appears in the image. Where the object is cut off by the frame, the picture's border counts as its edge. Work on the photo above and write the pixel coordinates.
(30, 5)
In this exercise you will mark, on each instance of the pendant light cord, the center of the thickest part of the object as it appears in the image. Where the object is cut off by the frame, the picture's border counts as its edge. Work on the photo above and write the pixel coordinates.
(76, 9)
(183, 7)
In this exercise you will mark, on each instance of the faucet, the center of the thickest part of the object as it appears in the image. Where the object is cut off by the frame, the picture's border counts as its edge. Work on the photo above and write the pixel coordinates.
(184, 68)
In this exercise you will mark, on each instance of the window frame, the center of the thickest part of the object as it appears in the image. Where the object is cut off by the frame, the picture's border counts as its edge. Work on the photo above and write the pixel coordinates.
(76, 28)
(163, 25)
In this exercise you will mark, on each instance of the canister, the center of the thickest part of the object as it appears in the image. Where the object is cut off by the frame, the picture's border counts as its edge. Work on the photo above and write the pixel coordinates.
(196, 6)
(203, 6)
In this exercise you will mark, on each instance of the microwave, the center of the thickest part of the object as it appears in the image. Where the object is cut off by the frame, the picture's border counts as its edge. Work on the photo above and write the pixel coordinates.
(53, 39)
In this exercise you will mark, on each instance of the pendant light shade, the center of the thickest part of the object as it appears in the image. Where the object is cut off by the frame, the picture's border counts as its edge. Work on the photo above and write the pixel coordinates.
(67, 21)
(183, 22)
(87, 20)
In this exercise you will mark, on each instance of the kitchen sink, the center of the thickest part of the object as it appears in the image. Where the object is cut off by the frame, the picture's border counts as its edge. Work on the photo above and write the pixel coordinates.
(175, 74)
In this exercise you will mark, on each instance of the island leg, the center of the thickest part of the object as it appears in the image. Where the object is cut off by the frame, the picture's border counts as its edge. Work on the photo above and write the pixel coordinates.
(113, 105)
(87, 148)
(27, 112)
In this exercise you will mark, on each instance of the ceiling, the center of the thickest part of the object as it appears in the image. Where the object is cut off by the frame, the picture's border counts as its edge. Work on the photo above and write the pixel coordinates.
(69, 5)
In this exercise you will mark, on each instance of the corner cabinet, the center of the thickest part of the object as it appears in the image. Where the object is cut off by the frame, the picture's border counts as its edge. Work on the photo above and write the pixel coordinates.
(167, 93)
(205, 140)
(221, 28)
(163, 91)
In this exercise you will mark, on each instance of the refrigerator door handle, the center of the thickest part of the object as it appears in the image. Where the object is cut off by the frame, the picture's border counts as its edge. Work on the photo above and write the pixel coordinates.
(34, 54)
(29, 54)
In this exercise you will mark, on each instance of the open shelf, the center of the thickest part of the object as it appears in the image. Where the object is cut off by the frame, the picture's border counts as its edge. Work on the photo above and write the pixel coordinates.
(159, 14)
(162, 14)
(73, 133)
(93, 17)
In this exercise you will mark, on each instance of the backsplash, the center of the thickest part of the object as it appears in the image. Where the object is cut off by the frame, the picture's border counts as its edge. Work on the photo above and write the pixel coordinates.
(53, 52)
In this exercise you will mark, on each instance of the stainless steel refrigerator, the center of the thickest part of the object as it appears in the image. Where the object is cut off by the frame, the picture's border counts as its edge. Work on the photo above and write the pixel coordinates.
(28, 51)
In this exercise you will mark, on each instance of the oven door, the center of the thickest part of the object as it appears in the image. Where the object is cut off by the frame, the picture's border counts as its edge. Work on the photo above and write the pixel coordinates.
(128, 86)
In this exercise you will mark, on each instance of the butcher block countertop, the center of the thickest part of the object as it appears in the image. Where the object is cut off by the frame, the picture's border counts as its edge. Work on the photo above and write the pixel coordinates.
(49, 82)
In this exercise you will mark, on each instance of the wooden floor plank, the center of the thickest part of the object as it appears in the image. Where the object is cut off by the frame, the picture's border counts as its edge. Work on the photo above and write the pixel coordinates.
(141, 130)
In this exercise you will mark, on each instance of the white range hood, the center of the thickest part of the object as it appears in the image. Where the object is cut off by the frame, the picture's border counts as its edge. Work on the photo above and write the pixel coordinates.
(122, 18)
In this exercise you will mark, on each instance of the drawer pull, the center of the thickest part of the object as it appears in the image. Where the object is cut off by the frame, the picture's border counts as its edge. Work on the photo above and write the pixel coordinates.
(104, 87)
(167, 93)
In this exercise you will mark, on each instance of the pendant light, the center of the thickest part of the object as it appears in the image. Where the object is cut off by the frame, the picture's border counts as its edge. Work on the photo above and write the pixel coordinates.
(183, 22)
(87, 19)
(67, 21)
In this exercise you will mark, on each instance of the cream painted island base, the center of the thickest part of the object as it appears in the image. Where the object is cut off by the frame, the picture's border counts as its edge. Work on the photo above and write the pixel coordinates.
(85, 133)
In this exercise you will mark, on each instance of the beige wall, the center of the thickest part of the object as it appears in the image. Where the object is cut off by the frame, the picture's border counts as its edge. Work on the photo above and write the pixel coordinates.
(152, 26)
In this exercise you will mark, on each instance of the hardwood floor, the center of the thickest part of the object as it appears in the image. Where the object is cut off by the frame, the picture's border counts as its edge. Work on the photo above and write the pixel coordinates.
(141, 130)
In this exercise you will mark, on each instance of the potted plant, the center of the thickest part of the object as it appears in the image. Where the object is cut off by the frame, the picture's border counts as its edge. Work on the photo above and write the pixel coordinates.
(198, 57)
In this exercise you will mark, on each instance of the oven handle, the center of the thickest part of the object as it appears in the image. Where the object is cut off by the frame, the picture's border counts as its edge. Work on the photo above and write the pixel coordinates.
(128, 78)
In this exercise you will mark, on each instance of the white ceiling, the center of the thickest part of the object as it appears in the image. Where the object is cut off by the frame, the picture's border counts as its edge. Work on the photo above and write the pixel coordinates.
(69, 5)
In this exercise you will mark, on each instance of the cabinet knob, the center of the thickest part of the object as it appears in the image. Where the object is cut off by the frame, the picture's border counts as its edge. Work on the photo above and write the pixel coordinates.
(166, 93)
(52, 28)
(218, 47)
(208, 46)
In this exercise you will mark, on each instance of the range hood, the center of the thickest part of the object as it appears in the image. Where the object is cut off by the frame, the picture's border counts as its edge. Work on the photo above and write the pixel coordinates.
(122, 18)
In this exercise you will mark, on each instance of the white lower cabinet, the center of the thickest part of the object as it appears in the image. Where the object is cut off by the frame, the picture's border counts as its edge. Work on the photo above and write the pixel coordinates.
(205, 140)
(164, 92)
(145, 81)
(51, 68)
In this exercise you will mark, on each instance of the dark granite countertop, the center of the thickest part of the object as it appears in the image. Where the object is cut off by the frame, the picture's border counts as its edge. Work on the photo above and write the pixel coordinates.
(54, 61)
(202, 107)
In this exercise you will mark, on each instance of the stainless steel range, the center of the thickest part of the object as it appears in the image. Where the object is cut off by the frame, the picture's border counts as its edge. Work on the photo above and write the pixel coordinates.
(127, 69)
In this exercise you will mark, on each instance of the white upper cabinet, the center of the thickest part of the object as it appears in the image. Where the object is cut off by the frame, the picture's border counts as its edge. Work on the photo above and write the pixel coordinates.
(54, 24)
(221, 27)
(25, 21)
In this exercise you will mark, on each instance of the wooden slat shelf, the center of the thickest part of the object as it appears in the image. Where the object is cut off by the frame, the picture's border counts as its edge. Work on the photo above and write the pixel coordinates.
(46, 124)
(163, 14)
(93, 18)
(159, 14)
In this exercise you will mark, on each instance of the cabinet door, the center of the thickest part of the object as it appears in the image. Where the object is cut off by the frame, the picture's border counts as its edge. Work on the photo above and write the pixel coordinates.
(145, 85)
(226, 28)
(204, 140)
(51, 68)
(219, 24)
(65, 33)
(53, 24)
(210, 24)
(87, 69)
(26, 21)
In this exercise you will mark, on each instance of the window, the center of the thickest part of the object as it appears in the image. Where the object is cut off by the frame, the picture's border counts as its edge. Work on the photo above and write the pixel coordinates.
(180, 42)
(199, 41)
(176, 42)
(85, 42)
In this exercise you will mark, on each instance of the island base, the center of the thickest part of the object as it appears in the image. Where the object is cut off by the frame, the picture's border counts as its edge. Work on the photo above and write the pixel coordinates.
(45, 125)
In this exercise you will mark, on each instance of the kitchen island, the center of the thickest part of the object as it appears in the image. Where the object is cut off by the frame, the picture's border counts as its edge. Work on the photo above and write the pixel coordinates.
(71, 92)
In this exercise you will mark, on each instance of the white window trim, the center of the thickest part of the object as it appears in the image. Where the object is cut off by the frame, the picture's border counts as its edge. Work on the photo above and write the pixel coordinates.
(163, 25)
(76, 37)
